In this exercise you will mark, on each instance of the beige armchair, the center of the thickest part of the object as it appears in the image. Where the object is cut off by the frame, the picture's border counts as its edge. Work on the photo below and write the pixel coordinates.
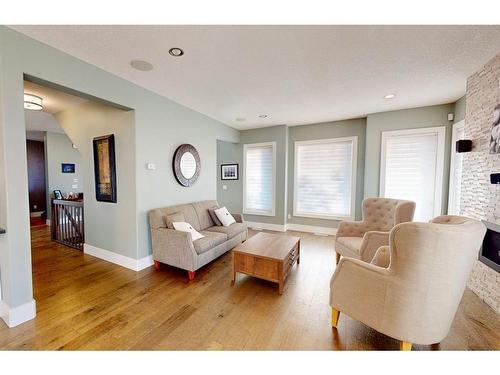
(414, 299)
(361, 239)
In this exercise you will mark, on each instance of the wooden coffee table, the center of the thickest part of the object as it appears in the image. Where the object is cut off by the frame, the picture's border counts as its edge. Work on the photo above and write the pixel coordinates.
(267, 256)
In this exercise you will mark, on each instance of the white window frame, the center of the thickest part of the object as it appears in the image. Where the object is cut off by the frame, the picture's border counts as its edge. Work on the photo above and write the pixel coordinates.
(454, 138)
(441, 133)
(252, 211)
(354, 160)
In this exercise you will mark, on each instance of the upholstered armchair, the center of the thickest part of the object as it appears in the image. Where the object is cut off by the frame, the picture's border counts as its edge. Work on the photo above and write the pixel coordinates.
(361, 239)
(412, 288)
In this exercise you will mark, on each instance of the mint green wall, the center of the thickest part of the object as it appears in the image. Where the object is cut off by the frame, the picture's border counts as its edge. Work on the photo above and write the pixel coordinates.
(279, 135)
(230, 153)
(160, 126)
(59, 149)
(337, 129)
(423, 117)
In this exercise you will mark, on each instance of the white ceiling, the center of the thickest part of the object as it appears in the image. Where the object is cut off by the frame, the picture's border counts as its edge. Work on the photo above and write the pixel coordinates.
(295, 74)
(53, 101)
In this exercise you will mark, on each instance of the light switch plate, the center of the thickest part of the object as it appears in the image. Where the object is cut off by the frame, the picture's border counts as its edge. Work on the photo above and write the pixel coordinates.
(151, 166)
(224, 187)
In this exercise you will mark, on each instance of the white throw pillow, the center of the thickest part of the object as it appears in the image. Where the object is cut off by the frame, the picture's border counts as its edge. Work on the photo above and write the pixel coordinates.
(224, 216)
(186, 227)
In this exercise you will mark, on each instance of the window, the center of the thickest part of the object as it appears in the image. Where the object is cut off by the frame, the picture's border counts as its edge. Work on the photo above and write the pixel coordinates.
(259, 178)
(412, 168)
(455, 170)
(325, 178)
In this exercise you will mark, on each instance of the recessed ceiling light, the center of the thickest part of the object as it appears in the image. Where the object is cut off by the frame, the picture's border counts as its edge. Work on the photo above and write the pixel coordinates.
(390, 96)
(141, 65)
(176, 52)
(33, 102)
(262, 116)
(240, 119)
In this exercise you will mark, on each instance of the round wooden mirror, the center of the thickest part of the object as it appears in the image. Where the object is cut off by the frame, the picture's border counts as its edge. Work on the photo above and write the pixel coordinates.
(186, 165)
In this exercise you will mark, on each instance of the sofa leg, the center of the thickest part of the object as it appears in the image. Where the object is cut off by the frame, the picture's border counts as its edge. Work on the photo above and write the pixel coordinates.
(405, 346)
(157, 265)
(337, 260)
(335, 317)
(191, 275)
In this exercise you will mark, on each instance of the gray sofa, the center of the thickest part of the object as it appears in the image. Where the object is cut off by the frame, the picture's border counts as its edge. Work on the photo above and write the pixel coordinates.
(177, 249)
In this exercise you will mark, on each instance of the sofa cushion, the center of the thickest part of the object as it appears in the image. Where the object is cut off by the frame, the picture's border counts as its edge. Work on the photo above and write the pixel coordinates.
(204, 218)
(348, 246)
(214, 217)
(158, 216)
(231, 231)
(208, 242)
(175, 217)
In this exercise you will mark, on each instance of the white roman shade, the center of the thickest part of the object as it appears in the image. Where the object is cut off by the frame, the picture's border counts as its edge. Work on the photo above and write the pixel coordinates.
(412, 168)
(325, 178)
(259, 178)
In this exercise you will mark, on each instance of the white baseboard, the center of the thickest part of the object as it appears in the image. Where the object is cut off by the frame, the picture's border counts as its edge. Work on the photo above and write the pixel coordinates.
(289, 226)
(121, 260)
(312, 229)
(266, 226)
(47, 222)
(19, 314)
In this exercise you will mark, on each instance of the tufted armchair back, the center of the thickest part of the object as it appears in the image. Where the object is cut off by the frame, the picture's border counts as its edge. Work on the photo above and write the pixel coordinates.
(382, 214)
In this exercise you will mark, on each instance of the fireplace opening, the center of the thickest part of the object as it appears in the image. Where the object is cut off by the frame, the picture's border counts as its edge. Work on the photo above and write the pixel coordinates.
(490, 251)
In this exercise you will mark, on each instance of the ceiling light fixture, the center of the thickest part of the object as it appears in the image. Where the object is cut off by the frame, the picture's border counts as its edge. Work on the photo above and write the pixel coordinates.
(33, 102)
(390, 96)
(176, 52)
(262, 116)
(141, 65)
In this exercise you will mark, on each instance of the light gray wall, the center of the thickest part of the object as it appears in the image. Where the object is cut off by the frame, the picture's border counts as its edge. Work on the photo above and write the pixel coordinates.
(459, 109)
(83, 124)
(59, 149)
(160, 126)
(230, 153)
(278, 134)
(337, 129)
(423, 117)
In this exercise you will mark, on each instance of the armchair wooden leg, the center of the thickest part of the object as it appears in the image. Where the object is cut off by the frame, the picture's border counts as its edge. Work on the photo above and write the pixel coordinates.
(157, 265)
(338, 258)
(191, 275)
(335, 317)
(405, 346)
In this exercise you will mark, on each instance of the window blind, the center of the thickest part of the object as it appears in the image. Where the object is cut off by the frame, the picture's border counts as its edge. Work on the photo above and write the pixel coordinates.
(410, 168)
(324, 173)
(259, 179)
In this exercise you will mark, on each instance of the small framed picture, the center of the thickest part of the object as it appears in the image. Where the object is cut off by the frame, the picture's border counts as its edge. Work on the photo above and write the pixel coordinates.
(229, 172)
(67, 168)
(58, 194)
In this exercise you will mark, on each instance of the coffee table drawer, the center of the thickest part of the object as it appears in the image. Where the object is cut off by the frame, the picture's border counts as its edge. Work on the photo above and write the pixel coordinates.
(264, 268)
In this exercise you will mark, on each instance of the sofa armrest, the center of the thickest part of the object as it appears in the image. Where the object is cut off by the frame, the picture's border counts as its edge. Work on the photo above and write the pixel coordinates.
(238, 218)
(382, 257)
(174, 247)
(372, 240)
(351, 229)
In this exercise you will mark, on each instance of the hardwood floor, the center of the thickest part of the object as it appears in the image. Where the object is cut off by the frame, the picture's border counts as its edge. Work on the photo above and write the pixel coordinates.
(86, 303)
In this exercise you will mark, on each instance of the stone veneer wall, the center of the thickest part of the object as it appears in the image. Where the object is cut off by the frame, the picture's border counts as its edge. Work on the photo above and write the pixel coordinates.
(479, 198)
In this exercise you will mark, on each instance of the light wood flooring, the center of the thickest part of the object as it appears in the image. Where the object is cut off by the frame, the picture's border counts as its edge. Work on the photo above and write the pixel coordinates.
(86, 303)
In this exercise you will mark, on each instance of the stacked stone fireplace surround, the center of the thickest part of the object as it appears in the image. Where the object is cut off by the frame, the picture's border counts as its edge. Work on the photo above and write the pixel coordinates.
(479, 198)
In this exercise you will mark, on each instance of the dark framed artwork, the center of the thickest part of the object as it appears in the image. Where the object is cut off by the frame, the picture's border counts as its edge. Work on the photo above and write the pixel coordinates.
(58, 194)
(229, 172)
(495, 131)
(105, 168)
(67, 168)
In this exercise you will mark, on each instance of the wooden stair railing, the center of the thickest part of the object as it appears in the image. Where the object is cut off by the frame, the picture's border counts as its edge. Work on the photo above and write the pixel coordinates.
(67, 224)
